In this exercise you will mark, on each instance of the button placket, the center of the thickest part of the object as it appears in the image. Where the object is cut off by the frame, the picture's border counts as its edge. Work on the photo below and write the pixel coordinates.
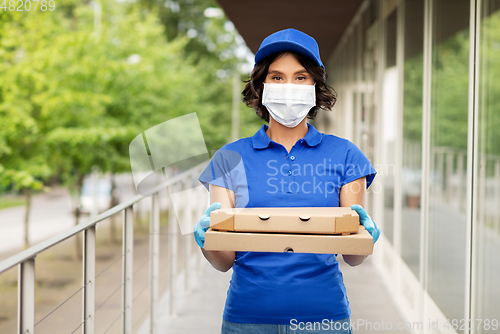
(292, 187)
(289, 158)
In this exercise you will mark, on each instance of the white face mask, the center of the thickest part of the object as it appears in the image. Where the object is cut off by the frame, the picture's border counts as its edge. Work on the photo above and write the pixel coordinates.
(289, 103)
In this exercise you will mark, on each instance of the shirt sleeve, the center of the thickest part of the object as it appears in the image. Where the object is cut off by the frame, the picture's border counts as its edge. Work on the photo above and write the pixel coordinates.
(219, 170)
(357, 165)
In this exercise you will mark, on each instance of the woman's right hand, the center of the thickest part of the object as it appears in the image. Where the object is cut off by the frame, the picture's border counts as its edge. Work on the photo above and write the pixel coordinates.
(367, 222)
(203, 224)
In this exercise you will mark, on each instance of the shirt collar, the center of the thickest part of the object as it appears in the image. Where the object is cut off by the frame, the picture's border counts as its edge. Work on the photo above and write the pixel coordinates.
(261, 140)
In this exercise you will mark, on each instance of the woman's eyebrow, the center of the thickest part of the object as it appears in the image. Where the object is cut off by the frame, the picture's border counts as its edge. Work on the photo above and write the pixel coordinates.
(301, 71)
(298, 72)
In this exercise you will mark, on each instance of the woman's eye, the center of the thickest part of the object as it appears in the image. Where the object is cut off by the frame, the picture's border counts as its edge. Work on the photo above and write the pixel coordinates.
(276, 78)
(301, 78)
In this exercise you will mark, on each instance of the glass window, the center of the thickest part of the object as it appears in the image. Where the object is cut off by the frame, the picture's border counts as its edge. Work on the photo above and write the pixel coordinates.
(368, 108)
(389, 125)
(487, 262)
(411, 173)
(448, 155)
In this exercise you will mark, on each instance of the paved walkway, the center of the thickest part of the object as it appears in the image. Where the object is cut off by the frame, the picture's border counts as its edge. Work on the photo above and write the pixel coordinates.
(200, 311)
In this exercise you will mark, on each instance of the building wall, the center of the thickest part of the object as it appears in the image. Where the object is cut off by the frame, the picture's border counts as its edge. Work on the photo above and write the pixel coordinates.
(418, 92)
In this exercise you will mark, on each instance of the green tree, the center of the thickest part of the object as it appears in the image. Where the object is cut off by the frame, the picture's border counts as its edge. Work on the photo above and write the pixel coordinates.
(23, 159)
(489, 86)
(73, 94)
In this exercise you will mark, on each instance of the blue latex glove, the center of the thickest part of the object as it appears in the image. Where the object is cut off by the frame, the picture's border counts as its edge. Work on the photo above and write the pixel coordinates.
(203, 224)
(367, 222)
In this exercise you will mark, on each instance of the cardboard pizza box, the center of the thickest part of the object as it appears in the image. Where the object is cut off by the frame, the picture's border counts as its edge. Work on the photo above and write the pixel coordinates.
(313, 220)
(360, 243)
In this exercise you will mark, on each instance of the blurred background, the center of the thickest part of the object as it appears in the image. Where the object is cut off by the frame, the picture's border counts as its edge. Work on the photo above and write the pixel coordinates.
(417, 92)
(78, 81)
(81, 80)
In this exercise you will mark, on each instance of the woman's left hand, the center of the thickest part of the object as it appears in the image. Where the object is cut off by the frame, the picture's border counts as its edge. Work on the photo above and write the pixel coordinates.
(367, 222)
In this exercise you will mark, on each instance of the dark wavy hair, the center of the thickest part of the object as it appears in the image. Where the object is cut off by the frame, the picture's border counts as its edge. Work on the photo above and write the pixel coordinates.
(252, 93)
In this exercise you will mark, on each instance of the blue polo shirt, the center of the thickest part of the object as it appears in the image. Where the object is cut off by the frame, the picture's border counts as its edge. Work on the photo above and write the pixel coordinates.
(274, 288)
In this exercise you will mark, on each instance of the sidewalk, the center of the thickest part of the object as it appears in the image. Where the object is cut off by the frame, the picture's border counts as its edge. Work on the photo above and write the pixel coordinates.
(51, 213)
(369, 299)
(200, 311)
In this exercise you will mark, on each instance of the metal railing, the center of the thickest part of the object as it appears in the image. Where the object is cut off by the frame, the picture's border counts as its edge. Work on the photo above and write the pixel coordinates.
(190, 209)
(448, 180)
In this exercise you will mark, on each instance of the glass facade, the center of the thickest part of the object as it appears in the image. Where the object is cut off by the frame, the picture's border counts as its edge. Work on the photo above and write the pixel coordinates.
(447, 219)
(487, 209)
(418, 93)
(411, 171)
(389, 124)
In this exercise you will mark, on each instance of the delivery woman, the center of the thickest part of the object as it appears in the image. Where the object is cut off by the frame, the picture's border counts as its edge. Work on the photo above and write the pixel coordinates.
(286, 164)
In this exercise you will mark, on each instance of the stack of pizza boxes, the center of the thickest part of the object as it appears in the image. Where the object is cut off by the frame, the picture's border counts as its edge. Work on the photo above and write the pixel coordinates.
(327, 230)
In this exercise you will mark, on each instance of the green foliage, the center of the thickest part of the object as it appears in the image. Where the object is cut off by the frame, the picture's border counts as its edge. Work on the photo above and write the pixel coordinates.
(450, 80)
(450, 73)
(22, 158)
(412, 99)
(450, 87)
(489, 86)
(11, 202)
(213, 52)
(73, 95)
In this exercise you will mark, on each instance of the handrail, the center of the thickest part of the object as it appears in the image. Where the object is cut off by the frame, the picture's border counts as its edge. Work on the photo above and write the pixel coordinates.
(26, 259)
(40, 247)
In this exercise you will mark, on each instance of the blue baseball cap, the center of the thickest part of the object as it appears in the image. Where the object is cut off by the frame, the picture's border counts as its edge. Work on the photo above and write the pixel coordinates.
(289, 40)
